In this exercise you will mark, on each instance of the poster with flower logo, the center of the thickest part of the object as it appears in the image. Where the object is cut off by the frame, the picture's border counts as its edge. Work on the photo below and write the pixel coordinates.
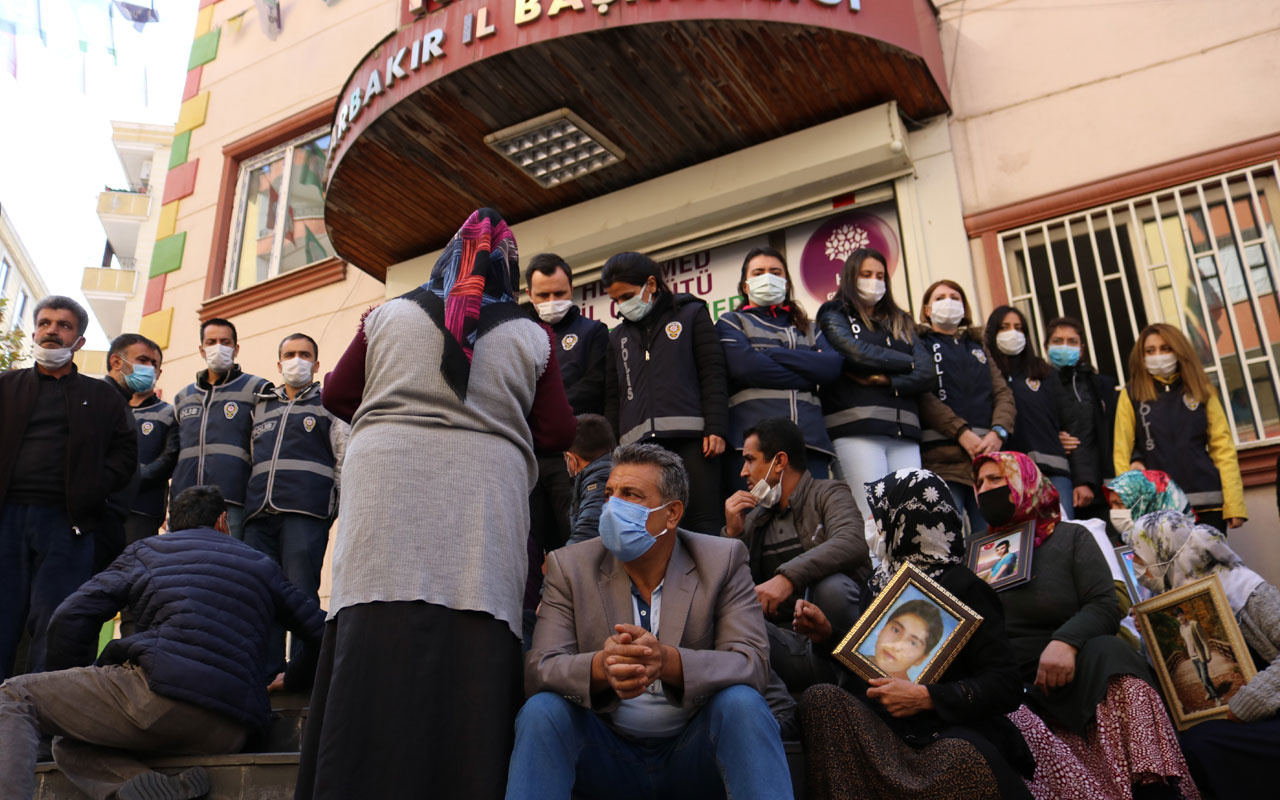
(816, 252)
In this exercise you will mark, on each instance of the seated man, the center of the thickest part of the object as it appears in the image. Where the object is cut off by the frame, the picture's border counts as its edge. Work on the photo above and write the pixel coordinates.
(589, 462)
(805, 539)
(648, 658)
(188, 682)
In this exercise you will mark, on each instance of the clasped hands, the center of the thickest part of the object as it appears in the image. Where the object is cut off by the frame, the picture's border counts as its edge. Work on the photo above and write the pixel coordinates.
(632, 659)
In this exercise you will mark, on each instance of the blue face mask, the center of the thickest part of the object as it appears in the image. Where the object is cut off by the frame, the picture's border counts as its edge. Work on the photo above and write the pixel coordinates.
(622, 528)
(1064, 355)
(142, 378)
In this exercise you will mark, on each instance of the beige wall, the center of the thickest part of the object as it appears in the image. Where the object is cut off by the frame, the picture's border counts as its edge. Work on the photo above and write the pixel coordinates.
(1052, 95)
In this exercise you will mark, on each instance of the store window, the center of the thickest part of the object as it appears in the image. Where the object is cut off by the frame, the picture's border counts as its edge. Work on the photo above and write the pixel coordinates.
(1202, 256)
(279, 213)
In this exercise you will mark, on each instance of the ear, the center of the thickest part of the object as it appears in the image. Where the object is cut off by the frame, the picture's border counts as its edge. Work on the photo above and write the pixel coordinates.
(222, 525)
(79, 343)
(235, 350)
(677, 513)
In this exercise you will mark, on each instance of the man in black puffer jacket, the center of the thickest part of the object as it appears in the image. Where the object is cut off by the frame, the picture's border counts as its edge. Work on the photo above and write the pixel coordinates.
(191, 680)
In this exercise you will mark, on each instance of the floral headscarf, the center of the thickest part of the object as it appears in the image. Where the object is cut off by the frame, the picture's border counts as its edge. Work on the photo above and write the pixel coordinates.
(1145, 491)
(918, 523)
(1178, 551)
(1034, 497)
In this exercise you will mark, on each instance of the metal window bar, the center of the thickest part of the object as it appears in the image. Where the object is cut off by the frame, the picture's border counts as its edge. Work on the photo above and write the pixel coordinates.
(1134, 227)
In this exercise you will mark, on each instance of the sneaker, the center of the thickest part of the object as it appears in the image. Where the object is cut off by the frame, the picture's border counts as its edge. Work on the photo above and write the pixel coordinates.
(187, 785)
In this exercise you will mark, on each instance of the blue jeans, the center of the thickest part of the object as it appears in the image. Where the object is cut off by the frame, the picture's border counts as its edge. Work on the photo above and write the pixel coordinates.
(297, 543)
(42, 561)
(1063, 484)
(732, 743)
(967, 504)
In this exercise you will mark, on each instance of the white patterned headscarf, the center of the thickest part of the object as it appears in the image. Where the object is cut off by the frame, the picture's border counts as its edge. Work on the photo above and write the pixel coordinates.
(918, 523)
(1177, 551)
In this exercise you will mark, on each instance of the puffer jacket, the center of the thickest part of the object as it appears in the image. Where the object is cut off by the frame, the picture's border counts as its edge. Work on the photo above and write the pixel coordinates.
(587, 500)
(204, 604)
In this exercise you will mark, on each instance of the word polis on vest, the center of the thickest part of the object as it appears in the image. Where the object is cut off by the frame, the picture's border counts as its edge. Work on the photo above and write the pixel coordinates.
(475, 26)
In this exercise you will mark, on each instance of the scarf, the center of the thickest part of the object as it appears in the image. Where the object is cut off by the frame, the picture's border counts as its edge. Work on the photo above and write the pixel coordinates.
(917, 523)
(1143, 492)
(471, 289)
(1178, 551)
(1034, 497)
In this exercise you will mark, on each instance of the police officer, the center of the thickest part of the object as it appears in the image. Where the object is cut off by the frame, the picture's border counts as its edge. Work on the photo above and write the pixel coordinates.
(293, 489)
(215, 418)
(581, 344)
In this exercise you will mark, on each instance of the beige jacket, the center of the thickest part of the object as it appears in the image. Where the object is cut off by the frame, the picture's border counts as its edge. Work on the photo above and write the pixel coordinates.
(709, 613)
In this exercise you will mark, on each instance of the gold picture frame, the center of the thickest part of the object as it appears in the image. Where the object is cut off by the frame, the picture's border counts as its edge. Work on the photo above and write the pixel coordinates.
(1197, 650)
(983, 558)
(886, 641)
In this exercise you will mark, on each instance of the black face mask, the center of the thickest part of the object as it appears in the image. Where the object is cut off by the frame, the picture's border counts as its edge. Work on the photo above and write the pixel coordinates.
(997, 506)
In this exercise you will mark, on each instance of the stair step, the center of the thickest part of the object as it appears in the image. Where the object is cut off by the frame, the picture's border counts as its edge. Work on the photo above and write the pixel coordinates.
(243, 776)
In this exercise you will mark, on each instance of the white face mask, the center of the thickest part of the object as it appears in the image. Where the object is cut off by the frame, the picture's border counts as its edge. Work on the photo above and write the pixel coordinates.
(219, 357)
(766, 289)
(870, 289)
(297, 372)
(553, 311)
(1011, 342)
(946, 312)
(1162, 365)
(635, 308)
(1121, 519)
(766, 494)
(52, 358)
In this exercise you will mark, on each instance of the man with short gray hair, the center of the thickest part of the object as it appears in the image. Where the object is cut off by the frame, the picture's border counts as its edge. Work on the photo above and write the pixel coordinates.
(649, 643)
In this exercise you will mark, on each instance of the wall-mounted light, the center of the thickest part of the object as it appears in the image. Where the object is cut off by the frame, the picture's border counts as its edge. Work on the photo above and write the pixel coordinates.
(555, 148)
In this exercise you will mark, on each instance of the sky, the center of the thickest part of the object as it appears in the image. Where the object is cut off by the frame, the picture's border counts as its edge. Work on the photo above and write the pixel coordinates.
(55, 120)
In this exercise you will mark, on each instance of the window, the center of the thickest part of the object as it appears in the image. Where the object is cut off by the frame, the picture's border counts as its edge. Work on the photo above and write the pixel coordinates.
(1202, 256)
(4, 274)
(279, 213)
(19, 309)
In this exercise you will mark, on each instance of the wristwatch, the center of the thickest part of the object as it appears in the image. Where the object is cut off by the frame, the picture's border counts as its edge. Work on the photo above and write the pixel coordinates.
(1001, 432)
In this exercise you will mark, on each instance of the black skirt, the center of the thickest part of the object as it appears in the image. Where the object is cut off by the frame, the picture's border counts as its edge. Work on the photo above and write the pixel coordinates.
(411, 700)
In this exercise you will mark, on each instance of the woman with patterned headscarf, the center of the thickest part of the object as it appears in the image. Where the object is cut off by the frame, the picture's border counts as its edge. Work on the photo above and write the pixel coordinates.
(1097, 727)
(1233, 757)
(1137, 493)
(893, 738)
(450, 389)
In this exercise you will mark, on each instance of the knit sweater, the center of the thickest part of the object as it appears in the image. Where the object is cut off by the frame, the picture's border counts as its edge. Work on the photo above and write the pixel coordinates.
(1260, 624)
(433, 486)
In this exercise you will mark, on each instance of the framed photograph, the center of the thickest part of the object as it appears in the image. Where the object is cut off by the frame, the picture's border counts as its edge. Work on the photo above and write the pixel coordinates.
(1197, 650)
(1003, 559)
(913, 631)
(1137, 594)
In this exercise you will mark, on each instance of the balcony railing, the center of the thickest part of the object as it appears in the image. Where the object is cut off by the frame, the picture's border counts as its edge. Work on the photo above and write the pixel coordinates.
(104, 280)
(126, 204)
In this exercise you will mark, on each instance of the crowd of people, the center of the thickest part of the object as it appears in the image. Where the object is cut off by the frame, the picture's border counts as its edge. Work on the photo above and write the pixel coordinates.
(536, 588)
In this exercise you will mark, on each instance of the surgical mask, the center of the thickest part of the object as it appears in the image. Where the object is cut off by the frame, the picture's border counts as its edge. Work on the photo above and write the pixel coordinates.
(297, 372)
(622, 528)
(53, 358)
(1121, 519)
(142, 378)
(766, 289)
(1064, 355)
(946, 312)
(635, 308)
(870, 289)
(219, 357)
(1162, 365)
(1011, 342)
(766, 494)
(553, 311)
(997, 506)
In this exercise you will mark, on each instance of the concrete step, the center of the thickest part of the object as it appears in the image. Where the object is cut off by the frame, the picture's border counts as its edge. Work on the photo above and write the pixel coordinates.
(244, 776)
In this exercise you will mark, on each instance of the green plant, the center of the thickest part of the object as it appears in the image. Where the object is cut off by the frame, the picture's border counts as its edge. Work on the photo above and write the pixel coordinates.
(12, 343)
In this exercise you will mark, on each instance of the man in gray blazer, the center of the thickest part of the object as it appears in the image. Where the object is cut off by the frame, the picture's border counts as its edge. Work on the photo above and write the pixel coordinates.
(648, 659)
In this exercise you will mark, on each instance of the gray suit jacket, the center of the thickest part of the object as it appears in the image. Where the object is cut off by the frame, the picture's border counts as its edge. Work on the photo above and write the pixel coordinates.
(709, 613)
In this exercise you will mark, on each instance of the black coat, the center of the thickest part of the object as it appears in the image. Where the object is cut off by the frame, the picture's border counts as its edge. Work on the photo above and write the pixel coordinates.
(1087, 408)
(102, 440)
(204, 605)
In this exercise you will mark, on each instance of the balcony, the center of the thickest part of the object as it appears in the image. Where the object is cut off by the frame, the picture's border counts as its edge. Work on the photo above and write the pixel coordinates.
(122, 213)
(109, 292)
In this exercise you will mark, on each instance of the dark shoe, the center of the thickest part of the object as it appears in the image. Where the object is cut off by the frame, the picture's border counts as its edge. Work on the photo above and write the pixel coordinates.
(187, 785)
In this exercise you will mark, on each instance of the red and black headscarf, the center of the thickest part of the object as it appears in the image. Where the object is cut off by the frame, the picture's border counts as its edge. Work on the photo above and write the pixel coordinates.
(1033, 496)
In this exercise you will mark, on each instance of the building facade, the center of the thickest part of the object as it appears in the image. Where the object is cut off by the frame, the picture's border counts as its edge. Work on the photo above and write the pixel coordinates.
(20, 286)
(1045, 155)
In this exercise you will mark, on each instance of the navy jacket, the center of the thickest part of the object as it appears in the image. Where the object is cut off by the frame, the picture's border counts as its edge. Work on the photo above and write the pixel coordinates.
(582, 346)
(587, 500)
(214, 428)
(1039, 421)
(775, 371)
(204, 605)
(157, 455)
(296, 449)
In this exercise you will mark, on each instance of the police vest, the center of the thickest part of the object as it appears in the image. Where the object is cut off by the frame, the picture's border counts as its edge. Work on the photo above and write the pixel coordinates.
(293, 459)
(1172, 435)
(852, 409)
(154, 423)
(659, 393)
(963, 383)
(1036, 434)
(214, 425)
(574, 337)
(749, 405)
